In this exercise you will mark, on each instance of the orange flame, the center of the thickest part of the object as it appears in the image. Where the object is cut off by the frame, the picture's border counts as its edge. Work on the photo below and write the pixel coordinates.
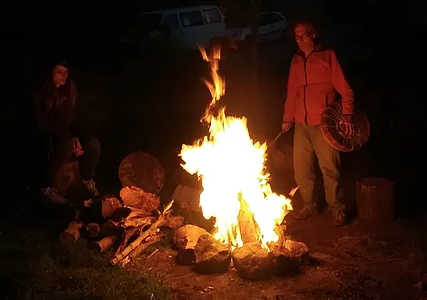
(231, 168)
(217, 86)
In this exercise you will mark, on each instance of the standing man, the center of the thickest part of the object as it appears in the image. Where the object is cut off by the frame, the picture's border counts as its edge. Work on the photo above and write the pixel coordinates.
(315, 77)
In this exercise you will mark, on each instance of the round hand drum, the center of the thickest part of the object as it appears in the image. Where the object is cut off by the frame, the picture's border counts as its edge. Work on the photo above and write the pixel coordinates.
(333, 129)
(142, 170)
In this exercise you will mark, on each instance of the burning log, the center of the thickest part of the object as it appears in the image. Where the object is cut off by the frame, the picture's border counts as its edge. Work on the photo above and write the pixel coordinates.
(153, 230)
(287, 258)
(212, 256)
(137, 198)
(72, 233)
(252, 262)
(106, 243)
(248, 229)
(185, 240)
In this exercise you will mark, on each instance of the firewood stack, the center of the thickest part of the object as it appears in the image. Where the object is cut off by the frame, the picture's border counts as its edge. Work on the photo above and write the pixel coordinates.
(129, 223)
(133, 221)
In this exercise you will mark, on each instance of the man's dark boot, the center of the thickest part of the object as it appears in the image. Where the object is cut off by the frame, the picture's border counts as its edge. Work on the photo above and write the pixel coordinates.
(304, 213)
(339, 218)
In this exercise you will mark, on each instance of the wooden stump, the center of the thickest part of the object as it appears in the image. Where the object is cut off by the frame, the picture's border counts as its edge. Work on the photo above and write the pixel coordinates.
(375, 199)
(68, 175)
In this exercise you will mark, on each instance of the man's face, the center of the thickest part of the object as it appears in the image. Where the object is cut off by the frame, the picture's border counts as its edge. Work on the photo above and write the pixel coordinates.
(304, 36)
(59, 75)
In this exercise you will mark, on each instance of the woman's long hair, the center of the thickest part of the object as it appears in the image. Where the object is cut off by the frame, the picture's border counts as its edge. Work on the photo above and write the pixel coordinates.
(49, 89)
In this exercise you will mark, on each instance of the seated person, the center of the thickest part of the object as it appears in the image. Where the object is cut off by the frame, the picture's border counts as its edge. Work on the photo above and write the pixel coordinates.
(55, 108)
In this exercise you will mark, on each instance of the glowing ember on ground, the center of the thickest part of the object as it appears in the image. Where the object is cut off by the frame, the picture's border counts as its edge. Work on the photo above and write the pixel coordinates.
(231, 168)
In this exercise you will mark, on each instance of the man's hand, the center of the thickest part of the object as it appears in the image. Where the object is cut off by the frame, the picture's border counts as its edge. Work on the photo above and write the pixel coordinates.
(348, 125)
(286, 126)
(77, 147)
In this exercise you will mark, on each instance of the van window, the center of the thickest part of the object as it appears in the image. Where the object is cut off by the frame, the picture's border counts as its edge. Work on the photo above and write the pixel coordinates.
(191, 18)
(212, 16)
(171, 21)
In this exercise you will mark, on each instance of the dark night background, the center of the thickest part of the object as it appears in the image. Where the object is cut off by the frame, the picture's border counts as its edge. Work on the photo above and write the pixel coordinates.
(154, 104)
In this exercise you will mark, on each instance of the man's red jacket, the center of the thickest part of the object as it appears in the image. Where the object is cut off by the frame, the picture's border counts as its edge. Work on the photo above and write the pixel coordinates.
(312, 86)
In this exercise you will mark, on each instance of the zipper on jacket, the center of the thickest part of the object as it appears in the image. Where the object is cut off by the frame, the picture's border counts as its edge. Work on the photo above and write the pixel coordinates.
(305, 86)
(305, 58)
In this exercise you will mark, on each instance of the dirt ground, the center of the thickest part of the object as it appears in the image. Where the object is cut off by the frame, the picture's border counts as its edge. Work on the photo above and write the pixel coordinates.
(358, 261)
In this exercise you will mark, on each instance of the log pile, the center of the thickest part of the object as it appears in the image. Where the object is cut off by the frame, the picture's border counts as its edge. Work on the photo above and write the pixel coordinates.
(125, 225)
(129, 224)
(134, 221)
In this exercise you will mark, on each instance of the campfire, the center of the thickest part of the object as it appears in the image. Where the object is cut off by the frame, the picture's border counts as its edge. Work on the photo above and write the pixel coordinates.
(236, 192)
(249, 233)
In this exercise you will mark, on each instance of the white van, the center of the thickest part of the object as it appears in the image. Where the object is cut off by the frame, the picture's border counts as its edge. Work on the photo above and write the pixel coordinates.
(271, 27)
(186, 27)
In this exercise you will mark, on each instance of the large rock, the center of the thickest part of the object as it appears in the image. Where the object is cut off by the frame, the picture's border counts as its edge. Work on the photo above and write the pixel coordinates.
(212, 256)
(252, 262)
(287, 258)
(185, 241)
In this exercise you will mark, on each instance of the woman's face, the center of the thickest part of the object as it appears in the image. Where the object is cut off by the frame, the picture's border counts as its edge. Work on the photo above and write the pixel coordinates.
(59, 75)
